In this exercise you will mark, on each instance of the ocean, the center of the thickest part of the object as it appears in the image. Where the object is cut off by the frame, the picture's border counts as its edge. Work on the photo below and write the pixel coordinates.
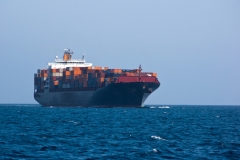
(152, 132)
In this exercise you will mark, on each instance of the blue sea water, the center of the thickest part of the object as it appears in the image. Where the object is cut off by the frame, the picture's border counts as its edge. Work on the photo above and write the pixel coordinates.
(152, 132)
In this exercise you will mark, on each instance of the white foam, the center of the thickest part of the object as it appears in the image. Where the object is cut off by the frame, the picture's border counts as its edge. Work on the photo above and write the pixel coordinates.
(152, 107)
(73, 122)
(158, 137)
(163, 107)
(155, 150)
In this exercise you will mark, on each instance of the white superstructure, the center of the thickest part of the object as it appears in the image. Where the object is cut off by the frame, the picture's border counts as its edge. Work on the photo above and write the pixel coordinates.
(67, 61)
(61, 64)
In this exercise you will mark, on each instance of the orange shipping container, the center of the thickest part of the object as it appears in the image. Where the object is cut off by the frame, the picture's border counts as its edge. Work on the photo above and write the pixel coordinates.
(116, 70)
(74, 72)
(53, 70)
(67, 73)
(55, 83)
(97, 68)
(76, 68)
(130, 74)
(100, 79)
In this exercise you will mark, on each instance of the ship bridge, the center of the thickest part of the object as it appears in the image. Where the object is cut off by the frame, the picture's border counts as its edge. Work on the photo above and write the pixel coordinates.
(67, 61)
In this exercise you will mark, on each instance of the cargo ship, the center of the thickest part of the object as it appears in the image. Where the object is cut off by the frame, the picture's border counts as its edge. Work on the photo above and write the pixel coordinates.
(73, 82)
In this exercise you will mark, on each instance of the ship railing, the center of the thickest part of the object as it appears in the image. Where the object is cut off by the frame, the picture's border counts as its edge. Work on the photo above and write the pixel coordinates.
(72, 60)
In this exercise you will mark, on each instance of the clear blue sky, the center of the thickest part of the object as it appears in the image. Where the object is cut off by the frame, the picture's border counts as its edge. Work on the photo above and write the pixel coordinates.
(194, 46)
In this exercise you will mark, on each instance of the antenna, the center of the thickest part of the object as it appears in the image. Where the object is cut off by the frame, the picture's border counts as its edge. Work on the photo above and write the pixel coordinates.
(65, 50)
(139, 72)
(83, 56)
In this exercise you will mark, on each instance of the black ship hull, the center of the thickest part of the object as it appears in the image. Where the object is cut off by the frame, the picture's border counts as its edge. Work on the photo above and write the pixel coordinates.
(132, 94)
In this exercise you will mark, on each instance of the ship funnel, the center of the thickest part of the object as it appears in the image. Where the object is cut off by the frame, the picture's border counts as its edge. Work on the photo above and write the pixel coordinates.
(67, 55)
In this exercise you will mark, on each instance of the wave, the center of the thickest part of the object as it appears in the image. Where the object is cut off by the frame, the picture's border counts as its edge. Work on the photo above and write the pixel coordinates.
(152, 107)
(73, 122)
(163, 107)
(158, 137)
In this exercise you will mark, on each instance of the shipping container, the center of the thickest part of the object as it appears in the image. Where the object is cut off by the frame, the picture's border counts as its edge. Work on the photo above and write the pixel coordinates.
(53, 70)
(67, 73)
(85, 83)
(55, 83)
(80, 84)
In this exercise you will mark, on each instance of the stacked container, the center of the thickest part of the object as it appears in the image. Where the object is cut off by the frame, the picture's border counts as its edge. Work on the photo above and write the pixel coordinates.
(40, 79)
(56, 78)
(78, 77)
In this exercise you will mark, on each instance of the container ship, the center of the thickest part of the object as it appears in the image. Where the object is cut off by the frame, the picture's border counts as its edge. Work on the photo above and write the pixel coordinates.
(73, 82)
